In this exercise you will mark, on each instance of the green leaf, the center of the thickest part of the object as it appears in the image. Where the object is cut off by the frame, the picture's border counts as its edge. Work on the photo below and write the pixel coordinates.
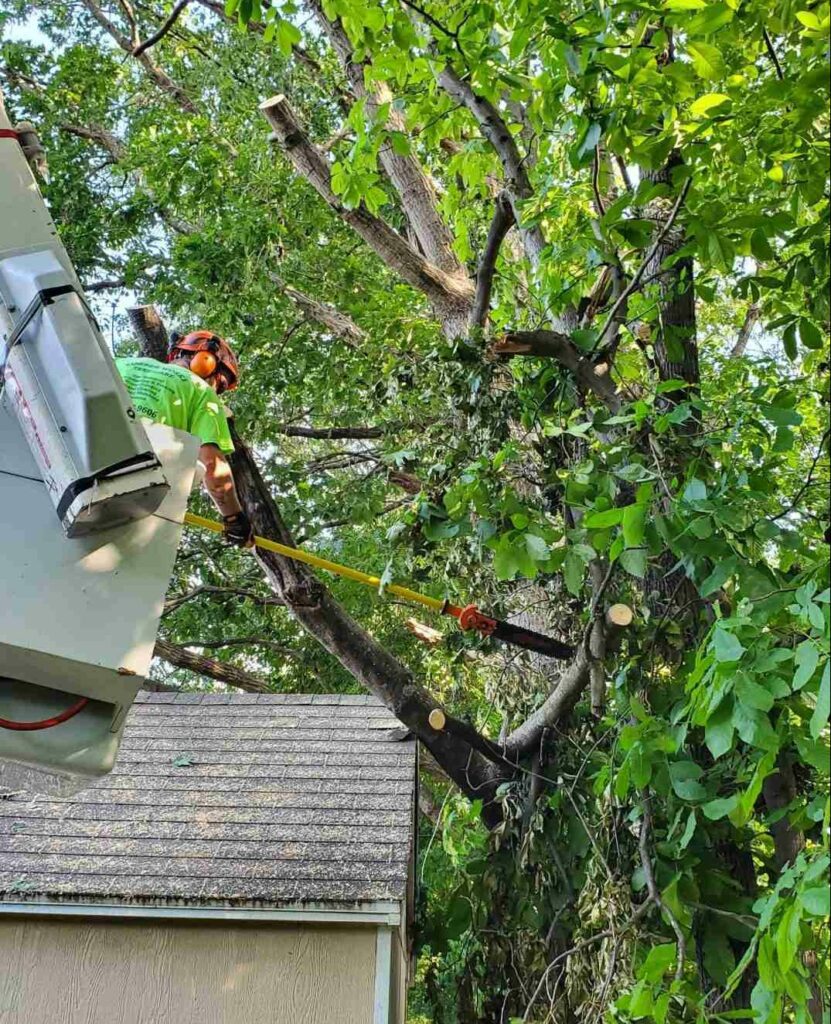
(751, 693)
(706, 59)
(710, 20)
(689, 831)
(817, 901)
(718, 734)
(573, 570)
(726, 645)
(634, 525)
(537, 548)
(684, 776)
(806, 660)
(658, 961)
(811, 336)
(705, 106)
(766, 963)
(754, 727)
(719, 959)
(787, 936)
(760, 246)
(634, 561)
(819, 719)
(716, 809)
(600, 520)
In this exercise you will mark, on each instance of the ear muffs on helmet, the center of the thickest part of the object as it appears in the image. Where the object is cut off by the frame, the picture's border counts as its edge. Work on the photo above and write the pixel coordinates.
(204, 364)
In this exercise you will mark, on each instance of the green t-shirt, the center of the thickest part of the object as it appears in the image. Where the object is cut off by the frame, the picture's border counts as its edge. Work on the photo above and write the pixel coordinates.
(173, 395)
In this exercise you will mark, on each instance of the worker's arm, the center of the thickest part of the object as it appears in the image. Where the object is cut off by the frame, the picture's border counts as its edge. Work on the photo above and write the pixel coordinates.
(219, 483)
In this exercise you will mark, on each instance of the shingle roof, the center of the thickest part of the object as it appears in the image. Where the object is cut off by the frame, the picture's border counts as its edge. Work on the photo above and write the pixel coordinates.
(239, 798)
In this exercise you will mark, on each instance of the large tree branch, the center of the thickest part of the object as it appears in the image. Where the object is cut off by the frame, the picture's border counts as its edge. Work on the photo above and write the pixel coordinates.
(552, 344)
(149, 332)
(372, 665)
(449, 296)
(418, 199)
(221, 671)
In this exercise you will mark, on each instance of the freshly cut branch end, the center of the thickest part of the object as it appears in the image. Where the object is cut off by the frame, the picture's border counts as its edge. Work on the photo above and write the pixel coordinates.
(619, 616)
(426, 634)
(437, 719)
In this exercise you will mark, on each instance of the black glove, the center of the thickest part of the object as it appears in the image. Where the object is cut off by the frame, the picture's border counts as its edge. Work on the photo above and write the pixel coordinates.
(238, 530)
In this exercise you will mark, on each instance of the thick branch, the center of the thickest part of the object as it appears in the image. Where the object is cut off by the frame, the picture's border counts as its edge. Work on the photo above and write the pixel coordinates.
(382, 674)
(503, 219)
(149, 331)
(551, 344)
(221, 671)
(450, 297)
(571, 684)
(101, 136)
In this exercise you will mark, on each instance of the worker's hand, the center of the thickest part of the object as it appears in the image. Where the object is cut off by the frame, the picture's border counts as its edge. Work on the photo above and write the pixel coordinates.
(238, 530)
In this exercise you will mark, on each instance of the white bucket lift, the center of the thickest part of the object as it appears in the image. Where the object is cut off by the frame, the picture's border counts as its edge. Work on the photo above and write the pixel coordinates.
(91, 503)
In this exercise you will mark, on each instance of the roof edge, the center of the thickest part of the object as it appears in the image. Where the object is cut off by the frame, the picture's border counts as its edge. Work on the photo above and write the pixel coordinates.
(374, 912)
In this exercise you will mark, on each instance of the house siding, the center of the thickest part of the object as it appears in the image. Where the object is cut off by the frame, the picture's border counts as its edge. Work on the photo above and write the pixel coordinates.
(141, 972)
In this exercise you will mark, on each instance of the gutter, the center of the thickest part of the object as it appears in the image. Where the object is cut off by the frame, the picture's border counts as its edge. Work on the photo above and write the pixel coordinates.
(385, 913)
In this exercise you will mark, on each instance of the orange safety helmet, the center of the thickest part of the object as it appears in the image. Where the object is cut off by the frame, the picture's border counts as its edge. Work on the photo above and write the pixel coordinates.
(210, 354)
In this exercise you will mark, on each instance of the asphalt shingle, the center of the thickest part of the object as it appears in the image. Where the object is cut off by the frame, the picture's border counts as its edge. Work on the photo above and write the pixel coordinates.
(247, 799)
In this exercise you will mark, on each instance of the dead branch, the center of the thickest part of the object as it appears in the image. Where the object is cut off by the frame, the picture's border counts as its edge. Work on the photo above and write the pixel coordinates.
(751, 318)
(221, 671)
(328, 316)
(129, 44)
(332, 433)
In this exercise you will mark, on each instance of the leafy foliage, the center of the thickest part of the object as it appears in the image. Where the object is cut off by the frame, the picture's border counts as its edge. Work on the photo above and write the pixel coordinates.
(664, 858)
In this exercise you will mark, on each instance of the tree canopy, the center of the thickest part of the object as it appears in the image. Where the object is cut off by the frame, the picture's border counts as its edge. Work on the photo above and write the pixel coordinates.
(532, 306)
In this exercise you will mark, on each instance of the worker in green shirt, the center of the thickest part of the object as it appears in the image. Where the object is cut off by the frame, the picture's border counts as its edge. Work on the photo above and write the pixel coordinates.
(183, 393)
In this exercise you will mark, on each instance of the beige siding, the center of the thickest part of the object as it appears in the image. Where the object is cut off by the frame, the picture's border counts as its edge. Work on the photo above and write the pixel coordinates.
(97, 972)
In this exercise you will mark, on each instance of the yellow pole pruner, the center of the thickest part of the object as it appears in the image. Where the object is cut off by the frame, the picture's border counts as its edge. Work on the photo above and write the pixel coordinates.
(468, 617)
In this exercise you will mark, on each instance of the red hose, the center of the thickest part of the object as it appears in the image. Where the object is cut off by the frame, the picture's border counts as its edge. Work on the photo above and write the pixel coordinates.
(45, 723)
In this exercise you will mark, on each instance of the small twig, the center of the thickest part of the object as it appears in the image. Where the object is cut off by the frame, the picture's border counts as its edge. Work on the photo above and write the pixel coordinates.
(633, 284)
(808, 481)
(780, 74)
